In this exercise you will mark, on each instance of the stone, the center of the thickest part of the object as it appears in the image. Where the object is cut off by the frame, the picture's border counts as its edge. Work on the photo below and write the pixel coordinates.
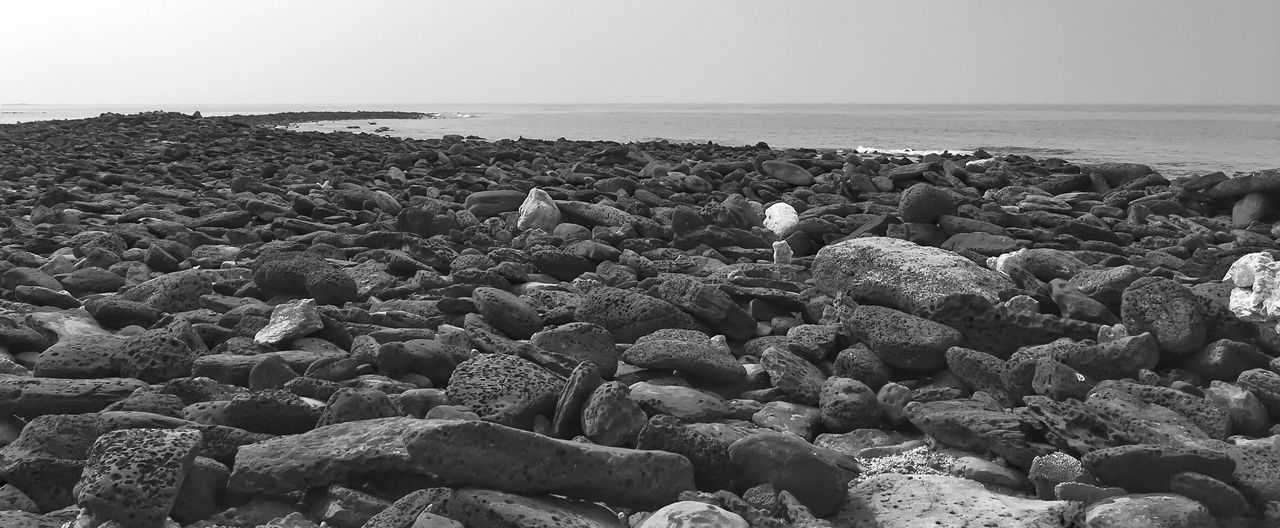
(273, 411)
(691, 514)
(793, 375)
(356, 404)
(781, 219)
(1075, 304)
(847, 404)
(924, 203)
(629, 315)
(686, 403)
(973, 426)
(159, 354)
(787, 172)
(289, 321)
(903, 340)
(482, 507)
(901, 274)
(508, 313)
(1222, 499)
(429, 357)
(27, 397)
(707, 303)
(1169, 311)
(499, 457)
(813, 342)
(1148, 510)
(894, 500)
(789, 463)
(1248, 416)
(610, 418)
(706, 445)
(86, 356)
(582, 382)
(1146, 468)
(793, 418)
(303, 274)
(1265, 386)
(504, 389)
(583, 342)
(699, 359)
(1048, 471)
(538, 211)
(133, 476)
(172, 292)
(1251, 208)
(343, 507)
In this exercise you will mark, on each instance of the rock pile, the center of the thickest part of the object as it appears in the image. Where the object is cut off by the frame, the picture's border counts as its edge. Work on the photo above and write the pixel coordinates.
(208, 323)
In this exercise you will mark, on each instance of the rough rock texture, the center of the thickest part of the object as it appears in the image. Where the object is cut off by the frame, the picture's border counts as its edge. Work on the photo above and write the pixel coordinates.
(504, 389)
(901, 274)
(907, 501)
(133, 476)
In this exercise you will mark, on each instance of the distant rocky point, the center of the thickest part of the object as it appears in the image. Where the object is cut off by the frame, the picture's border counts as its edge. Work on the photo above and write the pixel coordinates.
(288, 118)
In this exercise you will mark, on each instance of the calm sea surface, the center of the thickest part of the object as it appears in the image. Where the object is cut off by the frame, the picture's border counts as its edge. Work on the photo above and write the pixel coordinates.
(1176, 140)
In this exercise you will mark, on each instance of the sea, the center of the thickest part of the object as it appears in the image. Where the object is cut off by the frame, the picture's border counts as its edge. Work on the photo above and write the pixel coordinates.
(1176, 140)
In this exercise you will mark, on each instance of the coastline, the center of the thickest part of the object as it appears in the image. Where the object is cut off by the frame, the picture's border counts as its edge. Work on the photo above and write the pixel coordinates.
(666, 319)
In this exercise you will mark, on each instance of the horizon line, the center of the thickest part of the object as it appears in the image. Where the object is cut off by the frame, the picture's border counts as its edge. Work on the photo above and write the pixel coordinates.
(655, 103)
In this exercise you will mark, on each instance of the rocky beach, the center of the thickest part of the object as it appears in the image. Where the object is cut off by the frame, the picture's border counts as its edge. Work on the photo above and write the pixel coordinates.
(218, 322)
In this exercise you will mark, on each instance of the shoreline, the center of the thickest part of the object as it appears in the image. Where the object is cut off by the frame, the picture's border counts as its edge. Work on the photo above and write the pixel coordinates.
(680, 324)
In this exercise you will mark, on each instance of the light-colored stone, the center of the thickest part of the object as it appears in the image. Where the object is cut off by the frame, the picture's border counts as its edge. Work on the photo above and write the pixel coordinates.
(901, 274)
(290, 321)
(781, 218)
(908, 501)
(538, 211)
(692, 514)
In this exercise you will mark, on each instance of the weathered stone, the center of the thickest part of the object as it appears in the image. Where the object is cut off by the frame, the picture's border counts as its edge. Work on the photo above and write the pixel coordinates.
(901, 274)
(133, 476)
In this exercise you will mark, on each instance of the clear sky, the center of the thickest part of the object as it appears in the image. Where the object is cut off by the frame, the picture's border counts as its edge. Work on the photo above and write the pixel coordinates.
(665, 51)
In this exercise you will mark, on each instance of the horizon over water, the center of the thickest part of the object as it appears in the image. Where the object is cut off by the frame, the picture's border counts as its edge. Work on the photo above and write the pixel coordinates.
(1177, 140)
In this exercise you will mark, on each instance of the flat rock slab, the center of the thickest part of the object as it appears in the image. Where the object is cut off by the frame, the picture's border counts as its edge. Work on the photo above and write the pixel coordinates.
(906, 501)
(30, 397)
(477, 453)
(901, 274)
(462, 453)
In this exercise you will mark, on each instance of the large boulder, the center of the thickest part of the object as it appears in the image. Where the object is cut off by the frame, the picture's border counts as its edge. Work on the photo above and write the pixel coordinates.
(901, 274)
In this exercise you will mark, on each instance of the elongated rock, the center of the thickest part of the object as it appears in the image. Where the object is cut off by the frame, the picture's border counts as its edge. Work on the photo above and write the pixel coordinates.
(30, 397)
(462, 453)
(484, 454)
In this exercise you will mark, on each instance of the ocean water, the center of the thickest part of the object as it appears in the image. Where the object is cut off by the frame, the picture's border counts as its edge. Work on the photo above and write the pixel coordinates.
(1175, 140)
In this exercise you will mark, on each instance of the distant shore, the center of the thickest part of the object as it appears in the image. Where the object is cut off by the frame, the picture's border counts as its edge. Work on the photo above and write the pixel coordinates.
(289, 118)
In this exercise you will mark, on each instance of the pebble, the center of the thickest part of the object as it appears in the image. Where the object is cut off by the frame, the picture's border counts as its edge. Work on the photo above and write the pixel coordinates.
(368, 317)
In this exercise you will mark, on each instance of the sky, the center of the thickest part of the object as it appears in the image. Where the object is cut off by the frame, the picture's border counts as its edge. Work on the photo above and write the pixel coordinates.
(650, 51)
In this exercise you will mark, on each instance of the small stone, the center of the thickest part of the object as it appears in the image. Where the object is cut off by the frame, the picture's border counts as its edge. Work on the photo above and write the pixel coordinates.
(685, 403)
(791, 464)
(1163, 510)
(793, 418)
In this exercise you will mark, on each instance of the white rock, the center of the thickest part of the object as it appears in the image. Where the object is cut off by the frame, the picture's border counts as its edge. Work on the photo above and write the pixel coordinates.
(1256, 296)
(782, 252)
(693, 514)
(538, 211)
(781, 218)
(290, 321)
